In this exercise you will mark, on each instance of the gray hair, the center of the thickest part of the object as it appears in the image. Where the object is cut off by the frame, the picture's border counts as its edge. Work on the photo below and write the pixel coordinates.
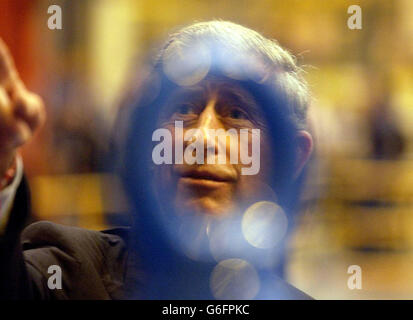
(280, 66)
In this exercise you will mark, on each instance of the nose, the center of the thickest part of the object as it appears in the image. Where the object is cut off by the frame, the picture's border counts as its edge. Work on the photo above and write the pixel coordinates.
(208, 120)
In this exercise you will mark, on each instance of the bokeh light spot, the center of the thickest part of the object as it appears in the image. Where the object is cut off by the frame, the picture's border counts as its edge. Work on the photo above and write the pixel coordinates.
(234, 279)
(187, 67)
(264, 224)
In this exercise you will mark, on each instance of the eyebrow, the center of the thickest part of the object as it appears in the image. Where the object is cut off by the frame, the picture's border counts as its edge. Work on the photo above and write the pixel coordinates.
(239, 97)
(226, 93)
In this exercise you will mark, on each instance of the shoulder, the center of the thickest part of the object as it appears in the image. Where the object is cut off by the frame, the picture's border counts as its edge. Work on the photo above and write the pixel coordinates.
(275, 288)
(91, 261)
(293, 293)
(70, 238)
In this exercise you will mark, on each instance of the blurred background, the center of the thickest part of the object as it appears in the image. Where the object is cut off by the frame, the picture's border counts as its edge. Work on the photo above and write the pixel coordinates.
(358, 202)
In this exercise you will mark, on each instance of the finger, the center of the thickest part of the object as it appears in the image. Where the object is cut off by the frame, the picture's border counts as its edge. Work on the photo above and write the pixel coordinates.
(13, 132)
(8, 72)
(6, 113)
(29, 108)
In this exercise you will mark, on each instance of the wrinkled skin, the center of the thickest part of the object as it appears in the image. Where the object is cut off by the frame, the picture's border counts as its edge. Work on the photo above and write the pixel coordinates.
(218, 189)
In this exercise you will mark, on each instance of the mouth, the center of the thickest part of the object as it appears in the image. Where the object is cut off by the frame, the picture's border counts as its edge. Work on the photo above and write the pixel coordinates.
(206, 175)
(206, 179)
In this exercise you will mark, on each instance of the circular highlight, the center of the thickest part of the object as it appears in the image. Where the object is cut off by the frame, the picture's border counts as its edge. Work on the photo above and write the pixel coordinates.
(186, 66)
(264, 224)
(234, 279)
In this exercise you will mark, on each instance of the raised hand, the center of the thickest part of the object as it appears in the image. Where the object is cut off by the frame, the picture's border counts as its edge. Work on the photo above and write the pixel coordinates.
(21, 111)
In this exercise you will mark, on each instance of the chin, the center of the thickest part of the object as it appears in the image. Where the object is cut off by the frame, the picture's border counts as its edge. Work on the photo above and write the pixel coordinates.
(204, 206)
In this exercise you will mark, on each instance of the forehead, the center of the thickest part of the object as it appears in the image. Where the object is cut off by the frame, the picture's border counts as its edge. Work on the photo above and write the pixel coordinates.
(220, 90)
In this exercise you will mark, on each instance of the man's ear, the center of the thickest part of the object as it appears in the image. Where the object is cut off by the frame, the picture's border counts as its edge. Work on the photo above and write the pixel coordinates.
(304, 143)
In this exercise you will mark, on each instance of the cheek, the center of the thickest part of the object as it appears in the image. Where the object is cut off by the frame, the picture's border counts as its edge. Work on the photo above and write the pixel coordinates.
(252, 188)
(171, 128)
(261, 157)
(163, 183)
(163, 174)
(267, 158)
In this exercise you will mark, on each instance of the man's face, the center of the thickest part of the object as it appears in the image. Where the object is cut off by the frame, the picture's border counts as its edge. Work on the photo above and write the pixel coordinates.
(218, 188)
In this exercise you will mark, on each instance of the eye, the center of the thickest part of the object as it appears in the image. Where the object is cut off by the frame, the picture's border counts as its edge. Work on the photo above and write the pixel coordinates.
(185, 109)
(236, 113)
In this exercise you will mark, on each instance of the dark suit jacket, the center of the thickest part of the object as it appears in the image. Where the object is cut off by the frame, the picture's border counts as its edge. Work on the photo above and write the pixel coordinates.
(95, 265)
